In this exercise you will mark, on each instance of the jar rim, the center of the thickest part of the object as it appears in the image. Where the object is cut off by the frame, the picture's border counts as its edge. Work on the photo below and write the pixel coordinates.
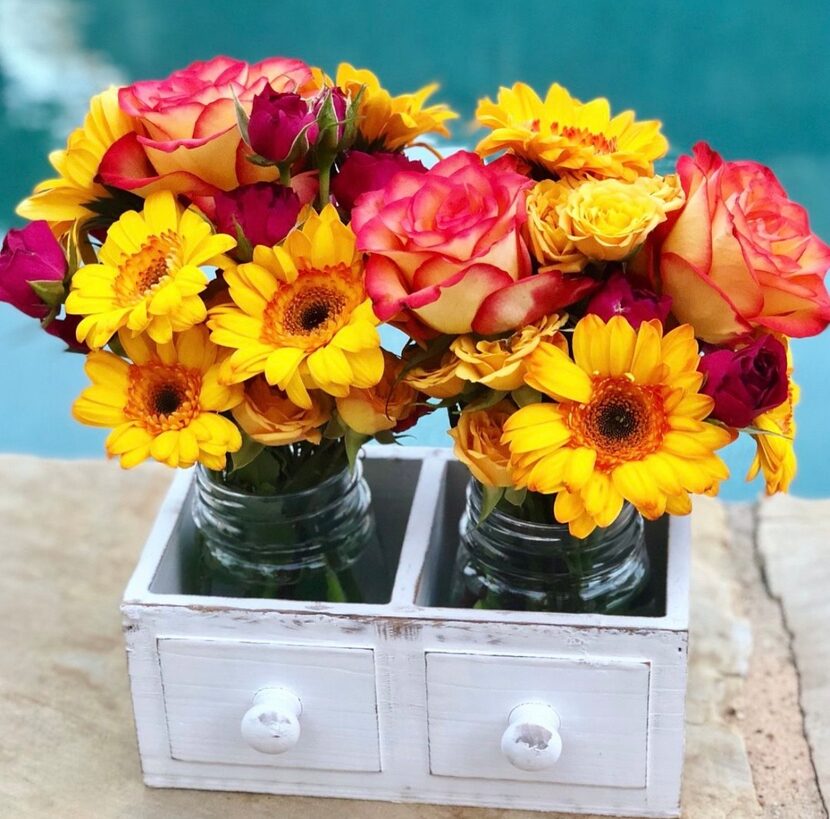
(354, 472)
(533, 530)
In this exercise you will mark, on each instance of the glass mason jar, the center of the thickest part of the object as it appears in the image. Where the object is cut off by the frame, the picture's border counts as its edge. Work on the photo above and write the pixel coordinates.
(317, 544)
(509, 563)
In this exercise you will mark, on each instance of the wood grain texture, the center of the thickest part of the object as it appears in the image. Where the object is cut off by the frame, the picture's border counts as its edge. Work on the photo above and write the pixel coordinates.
(210, 684)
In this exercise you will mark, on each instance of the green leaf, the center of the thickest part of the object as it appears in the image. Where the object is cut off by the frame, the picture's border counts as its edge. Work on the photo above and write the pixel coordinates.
(525, 395)
(115, 345)
(516, 497)
(335, 428)
(242, 118)
(489, 398)
(353, 442)
(256, 159)
(385, 436)
(248, 453)
(243, 247)
(49, 291)
(758, 431)
(490, 496)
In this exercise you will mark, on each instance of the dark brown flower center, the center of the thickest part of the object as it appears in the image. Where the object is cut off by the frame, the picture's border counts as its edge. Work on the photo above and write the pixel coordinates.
(312, 309)
(167, 399)
(622, 422)
(617, 419)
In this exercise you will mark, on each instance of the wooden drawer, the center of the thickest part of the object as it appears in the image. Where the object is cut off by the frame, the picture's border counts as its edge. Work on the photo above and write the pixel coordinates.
(210, 685)
(601, 705)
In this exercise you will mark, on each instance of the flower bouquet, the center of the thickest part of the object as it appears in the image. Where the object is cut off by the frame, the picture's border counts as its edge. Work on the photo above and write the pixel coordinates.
(196, 247)
(223, 245)
(597, 332)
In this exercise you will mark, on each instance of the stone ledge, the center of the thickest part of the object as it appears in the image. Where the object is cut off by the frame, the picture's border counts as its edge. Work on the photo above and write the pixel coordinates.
(72, 532)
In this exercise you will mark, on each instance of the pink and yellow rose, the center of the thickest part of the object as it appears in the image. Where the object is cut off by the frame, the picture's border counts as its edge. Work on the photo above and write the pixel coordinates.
(187, 138)
(741, 254)
(441, 243)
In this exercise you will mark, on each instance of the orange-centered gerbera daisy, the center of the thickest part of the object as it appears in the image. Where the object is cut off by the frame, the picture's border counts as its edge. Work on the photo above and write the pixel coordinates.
(149, 275)
(567, 137)
(73, 193)
(387, 123)
(301, 314)
(627, 424)
(164, 405)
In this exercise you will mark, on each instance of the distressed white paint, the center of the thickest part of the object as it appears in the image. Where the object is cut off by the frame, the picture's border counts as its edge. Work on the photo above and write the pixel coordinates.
(531, 741)
(210, 685)
(272, 724)
(602, 707)
(197, 663)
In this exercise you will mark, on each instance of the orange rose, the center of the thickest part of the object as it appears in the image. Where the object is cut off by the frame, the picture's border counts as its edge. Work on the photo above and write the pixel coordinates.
(268, 417)
(478, 444)
(382, 407)
(741, 255)
(188, 140)
(500, 364)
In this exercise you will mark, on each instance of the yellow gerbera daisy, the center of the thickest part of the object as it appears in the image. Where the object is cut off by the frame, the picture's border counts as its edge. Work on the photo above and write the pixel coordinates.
(627, 424)
(775, 452)
(165, 404)
(67, 197)
(388, 123)
(149, 276)
(301, 314)
(566, 136)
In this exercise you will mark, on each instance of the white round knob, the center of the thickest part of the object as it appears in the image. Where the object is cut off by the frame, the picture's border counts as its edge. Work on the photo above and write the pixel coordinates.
(272, 725)
(531, 741)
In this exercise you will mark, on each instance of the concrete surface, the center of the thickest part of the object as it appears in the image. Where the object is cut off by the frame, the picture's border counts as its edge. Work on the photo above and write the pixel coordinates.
(758, 739)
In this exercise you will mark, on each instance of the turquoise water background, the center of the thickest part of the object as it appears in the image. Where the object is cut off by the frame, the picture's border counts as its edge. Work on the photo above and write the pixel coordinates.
(752, 78)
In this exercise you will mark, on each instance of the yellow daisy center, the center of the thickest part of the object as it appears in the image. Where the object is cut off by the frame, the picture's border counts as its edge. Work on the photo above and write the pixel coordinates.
(141, 272)
(162, 397)
(622, 422)
(308, 312)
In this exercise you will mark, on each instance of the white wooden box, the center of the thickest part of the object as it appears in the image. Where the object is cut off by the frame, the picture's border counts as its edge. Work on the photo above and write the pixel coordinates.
(405, 701)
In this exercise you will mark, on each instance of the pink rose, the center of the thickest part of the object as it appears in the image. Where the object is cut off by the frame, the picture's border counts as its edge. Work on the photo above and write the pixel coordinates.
(282, 126)
(30, 254)
(746, 383)
(741, 255)
(443, 243)
(264, 212)
(361, 173)
(187, 139)
(619, 297)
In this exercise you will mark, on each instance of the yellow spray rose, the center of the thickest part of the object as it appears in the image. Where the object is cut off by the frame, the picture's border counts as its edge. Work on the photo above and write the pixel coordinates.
(607, 219)
(500, 364)
(549, 241)
(478, 444)
(572, 221)
(268, 416)
(437, 380)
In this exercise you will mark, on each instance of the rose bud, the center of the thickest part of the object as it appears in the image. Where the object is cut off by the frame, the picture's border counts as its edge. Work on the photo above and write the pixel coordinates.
(265, 212)
(618, 297)
(747, 382)
(362, 172)
(281, 127)
(330, 109)
(32, 254)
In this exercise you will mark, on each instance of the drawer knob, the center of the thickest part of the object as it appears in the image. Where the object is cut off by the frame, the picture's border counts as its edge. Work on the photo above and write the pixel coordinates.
(272, 724)
(531, 741)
